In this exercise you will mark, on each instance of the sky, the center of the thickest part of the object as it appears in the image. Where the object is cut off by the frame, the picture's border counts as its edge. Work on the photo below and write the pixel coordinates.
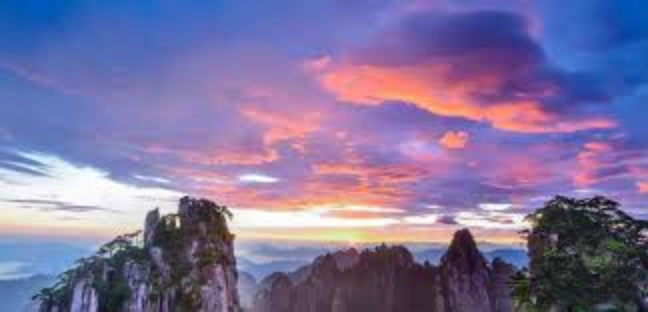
(319, 120)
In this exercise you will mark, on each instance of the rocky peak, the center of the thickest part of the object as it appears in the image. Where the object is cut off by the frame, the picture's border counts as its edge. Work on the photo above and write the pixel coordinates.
(463, 252)
(340, 260)
(465, 276)
(383, 255)
(150, 224)
(186, 263)
(382, 279)
(345, 259)
(274, 294)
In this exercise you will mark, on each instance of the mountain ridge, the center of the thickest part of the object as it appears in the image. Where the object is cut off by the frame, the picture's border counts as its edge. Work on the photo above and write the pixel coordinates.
(186, 262)
(388, 278)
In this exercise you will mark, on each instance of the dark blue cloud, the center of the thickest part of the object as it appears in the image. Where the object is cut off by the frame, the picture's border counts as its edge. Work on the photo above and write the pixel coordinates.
(494, 46)
(500, 36)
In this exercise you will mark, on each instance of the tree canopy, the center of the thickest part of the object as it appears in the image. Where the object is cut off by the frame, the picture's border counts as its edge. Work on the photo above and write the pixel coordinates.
(586, 254)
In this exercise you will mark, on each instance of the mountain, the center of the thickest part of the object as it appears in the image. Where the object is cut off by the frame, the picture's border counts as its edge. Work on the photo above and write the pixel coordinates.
(259, 270)
(465, 276)
(15, 294)
(389, 279)
(247, 287)
(185, 263)
(501, 277)
(288, 259)
(517, 257)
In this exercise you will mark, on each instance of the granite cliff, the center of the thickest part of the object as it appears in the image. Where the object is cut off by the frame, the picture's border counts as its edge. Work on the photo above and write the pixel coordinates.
(181, 262)
(388, 279)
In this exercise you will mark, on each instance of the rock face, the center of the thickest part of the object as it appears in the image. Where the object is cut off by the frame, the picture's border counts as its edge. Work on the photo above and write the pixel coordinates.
(384, 279)
(186, 263)
(501, 275)
(387, 279)
(247, 287)
(465, 276)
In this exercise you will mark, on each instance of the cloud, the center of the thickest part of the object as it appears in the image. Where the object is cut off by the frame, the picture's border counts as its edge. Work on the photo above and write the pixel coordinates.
(454, 139)
(257, 178)
(601, 161)
(255, 218)
(68, 189)
(495, 207)
(53, 205)
(449, 220)
(491, 220)
(437, 62)
(428, 219)
(16, 162)
(13, 270)
(284, 127)
(642, 187)
(535, 88)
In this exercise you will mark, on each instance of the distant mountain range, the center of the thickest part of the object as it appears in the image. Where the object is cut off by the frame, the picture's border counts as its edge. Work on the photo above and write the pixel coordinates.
(517, 257)
(260, 270)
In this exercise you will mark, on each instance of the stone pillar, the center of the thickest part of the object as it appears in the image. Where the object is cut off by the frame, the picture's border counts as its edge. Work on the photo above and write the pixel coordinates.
(152, 220)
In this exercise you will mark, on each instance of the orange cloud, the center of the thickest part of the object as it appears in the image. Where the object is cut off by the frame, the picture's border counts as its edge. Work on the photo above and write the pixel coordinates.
(454, 139)
(371, 184)
(642, 187)
(517, 170)
(427, 87)
(597, 147)
(282, 127)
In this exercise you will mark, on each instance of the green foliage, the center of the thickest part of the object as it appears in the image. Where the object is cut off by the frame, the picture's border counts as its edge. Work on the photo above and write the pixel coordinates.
(584, 253)
(57, 295)
(112, 294)
(190, 300)
(171, 239)
(521, 285)
(120, 243)
(204, 224)
(208, 256)
(110, 257)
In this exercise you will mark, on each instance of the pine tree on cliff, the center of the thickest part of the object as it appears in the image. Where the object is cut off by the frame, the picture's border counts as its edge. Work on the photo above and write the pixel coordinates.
(586, 254)
(182, 262)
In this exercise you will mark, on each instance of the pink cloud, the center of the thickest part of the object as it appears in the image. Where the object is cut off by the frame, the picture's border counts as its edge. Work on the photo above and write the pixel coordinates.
(426, 86)
(454, 139)
(483, 66)
(284, 127)
(642, 187)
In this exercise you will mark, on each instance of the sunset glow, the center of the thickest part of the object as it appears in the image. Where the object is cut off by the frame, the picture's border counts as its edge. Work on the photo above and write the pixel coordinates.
(345, 121)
